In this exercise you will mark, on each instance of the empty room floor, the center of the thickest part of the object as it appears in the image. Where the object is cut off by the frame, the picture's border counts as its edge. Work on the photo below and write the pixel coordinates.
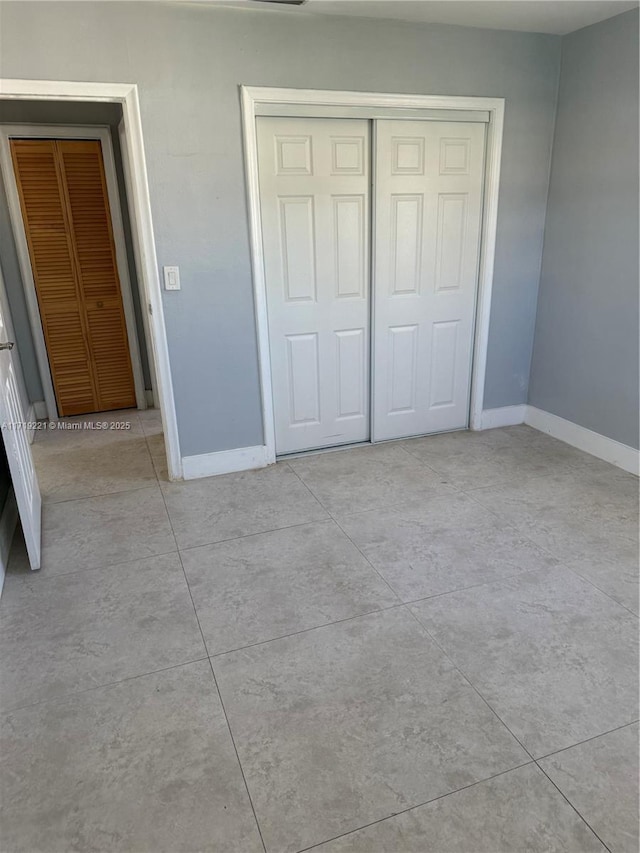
(429, 645)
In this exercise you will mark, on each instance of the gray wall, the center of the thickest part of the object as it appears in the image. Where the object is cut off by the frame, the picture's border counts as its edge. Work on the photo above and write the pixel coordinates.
(47, 112)
(585, 361)
(188, 62)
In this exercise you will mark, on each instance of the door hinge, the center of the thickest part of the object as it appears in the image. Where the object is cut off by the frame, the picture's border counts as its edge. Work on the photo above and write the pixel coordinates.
(150, 308)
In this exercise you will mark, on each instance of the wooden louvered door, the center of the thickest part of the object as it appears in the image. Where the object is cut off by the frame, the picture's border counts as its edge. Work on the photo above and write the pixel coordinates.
(65, 209)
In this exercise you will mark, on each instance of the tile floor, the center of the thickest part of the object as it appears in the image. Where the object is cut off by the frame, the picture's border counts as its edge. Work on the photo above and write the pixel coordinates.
(429, 645)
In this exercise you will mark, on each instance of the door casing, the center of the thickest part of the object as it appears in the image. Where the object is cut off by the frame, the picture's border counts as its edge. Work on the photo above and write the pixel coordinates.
(134, 163)
(335, 104)
(103, 134)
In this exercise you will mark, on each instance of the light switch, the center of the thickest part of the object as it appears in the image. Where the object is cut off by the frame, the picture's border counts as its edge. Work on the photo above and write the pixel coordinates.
(171, 278)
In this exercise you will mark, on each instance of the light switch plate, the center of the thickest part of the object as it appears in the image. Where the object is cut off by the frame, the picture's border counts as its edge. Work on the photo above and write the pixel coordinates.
(171, 278)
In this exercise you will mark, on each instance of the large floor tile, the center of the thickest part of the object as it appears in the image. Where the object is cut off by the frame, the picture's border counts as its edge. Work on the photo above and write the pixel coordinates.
(555, 658)
(617, 575)
(579, 501)
(588, 515)
(265, 586)
(473, 459)
(101, 531)
(144, 765)
(63, 634)
(363, 478)
(350, 723)
(150, 421)
(448, 543)
(233, 505)
(158, 452)
(97, 430)
(519, 810)
(600, 778)
(90, 470)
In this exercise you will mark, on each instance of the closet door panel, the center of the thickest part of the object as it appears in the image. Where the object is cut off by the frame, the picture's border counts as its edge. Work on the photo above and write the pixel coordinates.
(90, 220)
(314, 193)
(51, 252)
(67, 221)
(428, 209)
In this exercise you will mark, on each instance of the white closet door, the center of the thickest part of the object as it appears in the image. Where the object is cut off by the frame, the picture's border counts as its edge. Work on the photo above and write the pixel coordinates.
(314, 196)
(428, 202)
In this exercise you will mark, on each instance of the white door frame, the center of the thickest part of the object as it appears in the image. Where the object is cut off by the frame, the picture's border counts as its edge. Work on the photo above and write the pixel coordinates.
(137, 186)
(253, 97)
(103, 134)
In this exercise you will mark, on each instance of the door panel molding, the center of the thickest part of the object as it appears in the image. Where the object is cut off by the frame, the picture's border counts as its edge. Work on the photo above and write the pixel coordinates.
(314, 183)
(67, 132)
(134, 163)
(310, 103)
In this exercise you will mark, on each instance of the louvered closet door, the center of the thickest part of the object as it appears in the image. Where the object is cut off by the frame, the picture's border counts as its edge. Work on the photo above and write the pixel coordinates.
(65, 209)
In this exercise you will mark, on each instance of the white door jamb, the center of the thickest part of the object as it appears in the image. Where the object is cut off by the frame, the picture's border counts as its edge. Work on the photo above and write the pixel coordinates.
(103, 134)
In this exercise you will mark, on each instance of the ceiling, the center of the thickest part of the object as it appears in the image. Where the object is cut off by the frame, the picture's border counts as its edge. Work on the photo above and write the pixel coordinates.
(538, 16)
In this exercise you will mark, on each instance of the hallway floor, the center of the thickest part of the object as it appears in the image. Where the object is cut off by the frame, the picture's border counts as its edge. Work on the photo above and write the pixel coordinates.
(429, 645)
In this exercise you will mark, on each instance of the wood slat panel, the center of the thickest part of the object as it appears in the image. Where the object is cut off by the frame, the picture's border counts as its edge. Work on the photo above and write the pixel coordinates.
(69, 223)
(51, 251)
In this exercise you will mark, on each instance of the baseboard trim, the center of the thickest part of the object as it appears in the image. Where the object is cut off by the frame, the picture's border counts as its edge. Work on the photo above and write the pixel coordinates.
(505, 416)
(621, 455)
(224, 462)
(37, 412)
(8, 522)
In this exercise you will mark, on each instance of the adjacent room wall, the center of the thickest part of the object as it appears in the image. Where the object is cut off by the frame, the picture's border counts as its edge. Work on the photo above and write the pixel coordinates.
(188, 62)
(585, 360)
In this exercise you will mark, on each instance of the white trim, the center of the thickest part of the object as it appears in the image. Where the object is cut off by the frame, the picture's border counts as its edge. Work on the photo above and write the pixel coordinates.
(137, 253)
(251, 97)
(504, 416)
(40, 410)
(141, 221)
(621, 455)
(103, 134)
(36, 412)
(224, 462)
(8, 522)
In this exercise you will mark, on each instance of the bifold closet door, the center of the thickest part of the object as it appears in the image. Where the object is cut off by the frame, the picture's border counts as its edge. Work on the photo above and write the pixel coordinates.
(428, 211)
(67, 221)
(314, 195)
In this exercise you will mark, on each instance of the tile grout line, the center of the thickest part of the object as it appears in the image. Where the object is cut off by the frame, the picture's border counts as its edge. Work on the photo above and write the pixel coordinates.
(499, 718)
(468, 680)
(586, 740)
(337, 523)
(235, 748)
(604, 592)
(66, 696)
(56, 575)
(567, 800)
(416, 806)
(309, 629)
(215, 681)
(561, 561)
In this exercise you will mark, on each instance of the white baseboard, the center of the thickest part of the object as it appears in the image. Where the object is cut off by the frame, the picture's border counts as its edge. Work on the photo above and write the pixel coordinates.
(224, 462)
(8, 522)
(40, 410)
(148, 395)
(621, 455)
(505, 416)
(37, 412)
(584, 439)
